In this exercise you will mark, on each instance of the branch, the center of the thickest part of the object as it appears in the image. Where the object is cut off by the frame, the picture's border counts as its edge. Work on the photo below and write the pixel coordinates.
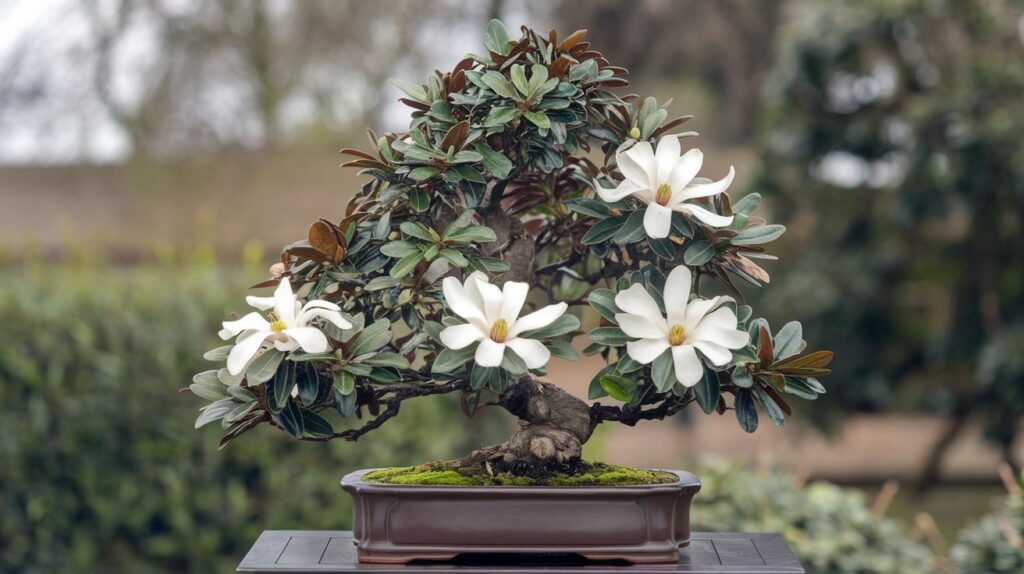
(629, 416)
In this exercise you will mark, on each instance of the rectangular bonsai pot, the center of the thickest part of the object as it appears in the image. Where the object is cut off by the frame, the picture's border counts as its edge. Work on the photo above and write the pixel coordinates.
(400, 523)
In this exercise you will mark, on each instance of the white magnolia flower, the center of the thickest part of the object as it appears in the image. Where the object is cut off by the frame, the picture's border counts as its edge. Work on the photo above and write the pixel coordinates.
(494, 320)
(688, 328)
(289, 330)
(664, 180)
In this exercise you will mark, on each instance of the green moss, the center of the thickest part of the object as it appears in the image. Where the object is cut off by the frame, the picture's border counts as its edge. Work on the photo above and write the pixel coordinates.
(445, 473)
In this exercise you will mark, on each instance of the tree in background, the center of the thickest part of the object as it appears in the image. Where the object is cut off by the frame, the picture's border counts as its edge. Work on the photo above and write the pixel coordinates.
(892, 151)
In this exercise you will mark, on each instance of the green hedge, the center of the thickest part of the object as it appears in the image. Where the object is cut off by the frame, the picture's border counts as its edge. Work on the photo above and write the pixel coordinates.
(830, 529)
(102, 470)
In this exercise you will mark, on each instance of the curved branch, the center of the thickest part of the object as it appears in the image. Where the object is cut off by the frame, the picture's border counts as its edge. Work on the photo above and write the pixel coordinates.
(629, 416)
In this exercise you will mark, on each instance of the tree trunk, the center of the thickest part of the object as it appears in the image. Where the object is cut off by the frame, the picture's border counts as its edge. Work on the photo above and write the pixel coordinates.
(553, 427)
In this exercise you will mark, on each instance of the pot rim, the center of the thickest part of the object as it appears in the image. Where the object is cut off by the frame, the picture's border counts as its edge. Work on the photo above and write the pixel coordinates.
(686, 481)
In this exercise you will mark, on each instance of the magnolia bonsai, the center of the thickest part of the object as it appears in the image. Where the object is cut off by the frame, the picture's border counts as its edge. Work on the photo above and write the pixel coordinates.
(526, 195)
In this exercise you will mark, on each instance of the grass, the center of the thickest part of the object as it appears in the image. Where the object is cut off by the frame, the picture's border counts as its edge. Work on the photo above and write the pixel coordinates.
(445, 473)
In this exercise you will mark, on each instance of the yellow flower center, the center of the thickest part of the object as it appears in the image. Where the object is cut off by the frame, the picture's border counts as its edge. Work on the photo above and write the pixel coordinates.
(499, 330)
(278, 326)
(663, 194)
(634, 133)
(676, 335)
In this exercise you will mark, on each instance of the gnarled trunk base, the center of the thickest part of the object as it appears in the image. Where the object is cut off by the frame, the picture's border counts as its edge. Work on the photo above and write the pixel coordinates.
(553, 427)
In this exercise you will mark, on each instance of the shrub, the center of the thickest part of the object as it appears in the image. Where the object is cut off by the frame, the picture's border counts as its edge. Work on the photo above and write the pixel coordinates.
(102, 470)
(994, 543)
(831, 529)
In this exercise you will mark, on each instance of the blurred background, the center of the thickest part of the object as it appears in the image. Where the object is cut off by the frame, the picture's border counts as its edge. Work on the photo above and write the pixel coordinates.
(156, 154)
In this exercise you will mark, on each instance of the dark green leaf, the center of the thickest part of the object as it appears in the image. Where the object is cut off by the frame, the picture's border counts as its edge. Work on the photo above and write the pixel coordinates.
(746, 412)
(663, 372)
(708, 389)
(263, 367)
(603, 230)
(699, 253)
(405, 265)
(449, 360)
(610, 336)
(290, 419)
(494, 161)
(315, 425)
(603, 301)
(418, 199)
(344, 382)
(618, 387)
(284, 381)
(632, 230)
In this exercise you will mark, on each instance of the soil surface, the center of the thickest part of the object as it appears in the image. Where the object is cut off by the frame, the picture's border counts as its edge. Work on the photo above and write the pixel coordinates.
(579, 473)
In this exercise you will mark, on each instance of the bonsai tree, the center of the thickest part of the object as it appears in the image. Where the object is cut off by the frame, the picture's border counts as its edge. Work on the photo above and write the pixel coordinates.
(525, 191)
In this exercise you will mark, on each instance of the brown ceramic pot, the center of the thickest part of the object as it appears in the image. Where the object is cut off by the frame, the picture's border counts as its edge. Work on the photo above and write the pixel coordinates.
(641, 524)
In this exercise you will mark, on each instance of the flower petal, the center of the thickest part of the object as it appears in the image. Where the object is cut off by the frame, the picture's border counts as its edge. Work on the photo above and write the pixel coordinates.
(244, 350)
(657, 220)
(684, 171)
(261, 303)
(491, 296)
(253, 321)
(513, 295)
(637, 164)
(667, 156)
(640, 327)
(705, 216)
(334, 317)
(677, 294)
(717, 354)
(459, 301)
(688, 367)
(708, 189)
(646, 350)
(489, 353)
(461, 336)
(321, 304)
(539, 318)
(637, 301)
(531, 351)
(311, 339)
(722, 318)
(696, 310)
(286, 345)
(284, 302)
(625, 189)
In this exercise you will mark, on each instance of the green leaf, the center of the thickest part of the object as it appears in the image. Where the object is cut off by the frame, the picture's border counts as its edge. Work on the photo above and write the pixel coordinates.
(788, 340)
(345, 404)
(632, 230)
(603, 230)
(746, 413)
(423, 173)
(371, 338)
(501, 116)
(290, 419)
(263, 367)
(455, 257)
(382, 282)
(494, 161)
(382, 375)
(211, 391)
(315, 425)
(562, 349)
(596, 391)
(603, 301)
(308, 382)
(663, 372)
(472, 234)
(498, 84)
(207, 377)
(419, 231)
(399, 248)
(758, 235)
(742, 378)
(513, 363)
(561, 326)
(747, 204)
(405, 265)
(496, 38)
(449, 360)
(799, 387)
(699, 253)
(418, 198)
(610, 336)
(284, 381)
(488, 265)
(590, 207)
(387, 359)
(431, 252)
(538, 119)
(538, 76)
(218, 354)
(771, 408)
(214, 411)
(663, 248)
(479, 376)
(518, 75)
(412, 90)
(344, 382)
(708, 389)
(618, 387)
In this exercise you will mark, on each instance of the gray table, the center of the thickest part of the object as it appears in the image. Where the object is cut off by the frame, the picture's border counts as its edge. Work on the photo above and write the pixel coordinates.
(332, 551)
